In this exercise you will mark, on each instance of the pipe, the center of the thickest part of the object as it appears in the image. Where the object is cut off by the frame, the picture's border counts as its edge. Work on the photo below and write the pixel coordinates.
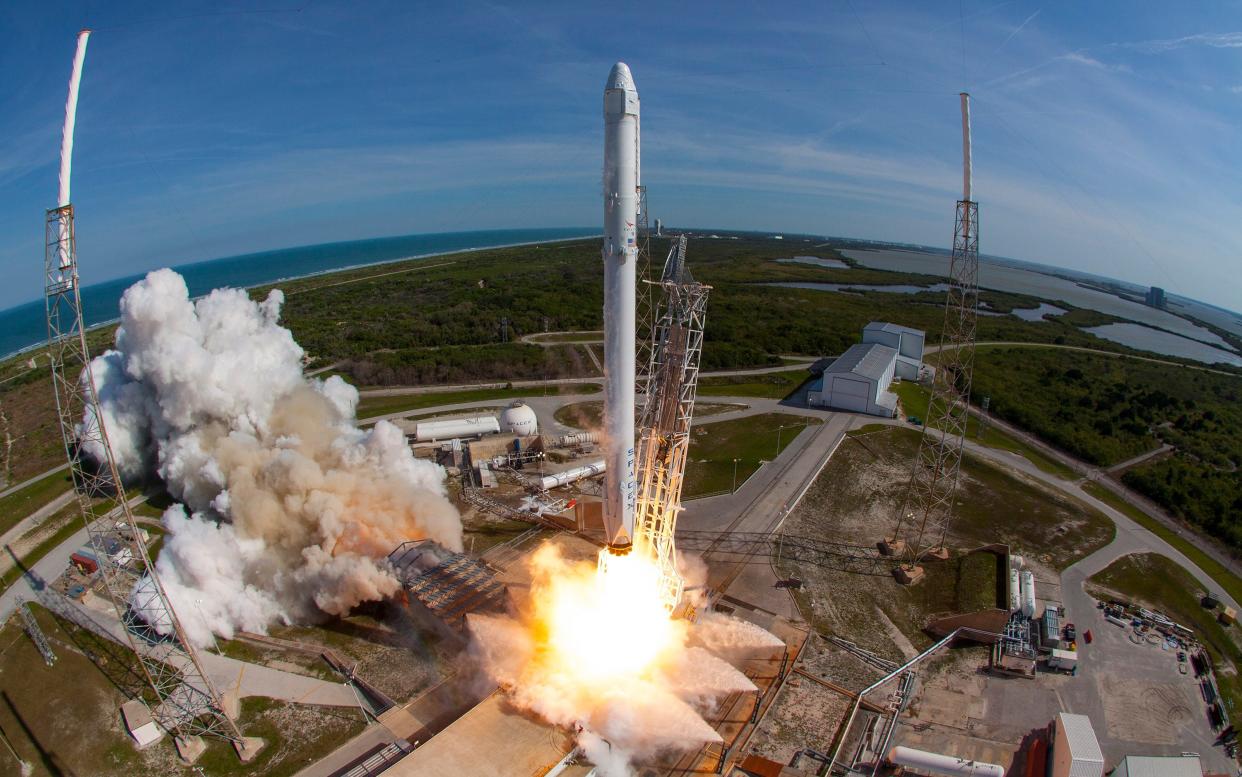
(620, 253)
(942, 764)
(71, 116)
(570, 475)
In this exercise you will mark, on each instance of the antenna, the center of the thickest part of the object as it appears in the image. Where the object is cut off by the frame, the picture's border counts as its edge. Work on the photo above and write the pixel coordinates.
(926, 513)
(184, 700)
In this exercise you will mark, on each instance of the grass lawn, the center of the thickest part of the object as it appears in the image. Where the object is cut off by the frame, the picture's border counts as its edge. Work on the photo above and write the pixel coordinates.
(568, 337)
(1230, 582)
(774, 385)
(914, 400)
(370, 407)
(20, 504)
(751, 440)
(71, 519)
(1159, 583)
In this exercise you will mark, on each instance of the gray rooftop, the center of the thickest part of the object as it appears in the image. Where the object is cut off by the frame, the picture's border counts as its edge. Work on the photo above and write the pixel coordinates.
(1163, 766)
(884, 326)
(869, 360)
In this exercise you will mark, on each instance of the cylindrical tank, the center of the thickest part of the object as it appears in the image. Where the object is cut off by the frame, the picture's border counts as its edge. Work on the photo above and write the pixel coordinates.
(518, 418)
(1028, 594)
(456, 427)
(942, 764)
(570, 475)
(1015, 591)
(580, 438)
(1017, 562)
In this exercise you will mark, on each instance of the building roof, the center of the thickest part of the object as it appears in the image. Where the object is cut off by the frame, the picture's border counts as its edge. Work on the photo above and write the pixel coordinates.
(885, 326)
(1080, 736)
(869, 360)
(1163, 766)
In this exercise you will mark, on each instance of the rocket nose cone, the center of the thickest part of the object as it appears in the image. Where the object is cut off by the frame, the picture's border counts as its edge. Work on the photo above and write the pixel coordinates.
(619, 77)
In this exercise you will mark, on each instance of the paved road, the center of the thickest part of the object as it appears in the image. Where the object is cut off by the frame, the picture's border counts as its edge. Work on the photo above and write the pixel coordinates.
(38, 516)
(934, 348)
(1139, 459)
(36, 478)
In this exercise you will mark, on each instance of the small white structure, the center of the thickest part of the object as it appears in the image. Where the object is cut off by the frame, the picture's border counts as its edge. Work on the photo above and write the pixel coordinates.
(140, 724)
(1075, 750)
(1186, 765)
(519, 419)
(936, 763)
(858, 381)
(430, 431)
(1028, 593)
(1063, 659)
(906, 341)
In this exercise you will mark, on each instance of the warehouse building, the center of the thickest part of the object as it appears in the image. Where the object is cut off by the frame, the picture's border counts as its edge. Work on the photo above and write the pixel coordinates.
(1184, 765)
(906, 341)
(858, 381)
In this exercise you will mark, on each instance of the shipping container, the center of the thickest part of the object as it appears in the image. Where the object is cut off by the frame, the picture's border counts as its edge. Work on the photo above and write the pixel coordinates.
(1075, 750)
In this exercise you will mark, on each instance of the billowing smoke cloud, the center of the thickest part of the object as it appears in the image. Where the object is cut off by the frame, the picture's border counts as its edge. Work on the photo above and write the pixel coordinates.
(602, 659)
(287, 509)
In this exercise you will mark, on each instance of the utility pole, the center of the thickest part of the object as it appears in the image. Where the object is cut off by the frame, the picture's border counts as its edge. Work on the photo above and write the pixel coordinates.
(983, 417)
(734, 490)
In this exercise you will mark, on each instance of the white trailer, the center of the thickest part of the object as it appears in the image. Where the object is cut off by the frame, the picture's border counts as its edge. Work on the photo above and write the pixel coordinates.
(1075, 750)
(1064, 660)
(430, 431)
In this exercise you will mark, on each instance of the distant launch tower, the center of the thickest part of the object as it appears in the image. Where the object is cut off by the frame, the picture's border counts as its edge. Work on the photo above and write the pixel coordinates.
(621, 194)
(182, 698)
(927, 510)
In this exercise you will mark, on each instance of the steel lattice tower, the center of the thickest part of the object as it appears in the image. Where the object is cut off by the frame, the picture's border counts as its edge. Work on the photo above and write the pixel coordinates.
(182, 698)
(927, 510)
(664, 426)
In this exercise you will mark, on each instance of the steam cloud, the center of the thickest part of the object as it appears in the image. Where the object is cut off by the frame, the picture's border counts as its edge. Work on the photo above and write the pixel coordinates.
(287, 509)
(618, 718)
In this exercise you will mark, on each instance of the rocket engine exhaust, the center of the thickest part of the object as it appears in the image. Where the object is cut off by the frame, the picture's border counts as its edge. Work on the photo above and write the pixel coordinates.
(620, 253)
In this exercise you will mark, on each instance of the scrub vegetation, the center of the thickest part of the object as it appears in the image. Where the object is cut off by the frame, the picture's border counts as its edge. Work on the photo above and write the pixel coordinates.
(1107, 410)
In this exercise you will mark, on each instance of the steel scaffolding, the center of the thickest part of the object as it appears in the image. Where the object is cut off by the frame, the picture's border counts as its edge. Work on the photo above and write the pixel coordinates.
(184, 701)
(664, 425)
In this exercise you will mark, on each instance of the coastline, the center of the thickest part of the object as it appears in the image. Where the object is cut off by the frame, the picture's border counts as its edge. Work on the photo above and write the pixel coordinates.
(286, 279)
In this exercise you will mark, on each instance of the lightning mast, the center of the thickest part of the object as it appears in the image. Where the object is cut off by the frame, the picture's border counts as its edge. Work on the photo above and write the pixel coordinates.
(182, 697)
(664, 426)
(927, 510)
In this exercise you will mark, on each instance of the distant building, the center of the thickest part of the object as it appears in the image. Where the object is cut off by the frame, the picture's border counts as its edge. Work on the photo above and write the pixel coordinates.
(859, 379)
(1155, 297)
(908, 343)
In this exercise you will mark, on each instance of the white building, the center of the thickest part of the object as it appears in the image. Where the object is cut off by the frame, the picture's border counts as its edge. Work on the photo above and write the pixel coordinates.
(1075, 750)
(858, 381)
(906, 341)
(1187, 765)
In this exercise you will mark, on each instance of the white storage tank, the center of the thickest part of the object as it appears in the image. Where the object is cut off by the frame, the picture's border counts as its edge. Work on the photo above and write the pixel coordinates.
(942, 764)
(518, 418)
(1028, 594)
(1015, 591)
(1075, 750)
(429, 431)
(580, 438)
(570, 475)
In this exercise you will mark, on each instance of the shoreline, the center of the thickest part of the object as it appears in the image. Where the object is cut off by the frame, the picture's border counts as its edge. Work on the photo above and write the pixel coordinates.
(288, 278)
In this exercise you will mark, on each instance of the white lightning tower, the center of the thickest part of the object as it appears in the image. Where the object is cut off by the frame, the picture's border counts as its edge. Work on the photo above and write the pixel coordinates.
(927, 512)
(182, 697)
(620, 251)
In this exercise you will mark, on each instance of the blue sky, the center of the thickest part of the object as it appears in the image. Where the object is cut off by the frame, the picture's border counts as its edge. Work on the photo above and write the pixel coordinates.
(1106, 134)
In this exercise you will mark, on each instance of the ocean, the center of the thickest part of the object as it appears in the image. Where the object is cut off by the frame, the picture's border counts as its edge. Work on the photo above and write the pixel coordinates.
(25, 325)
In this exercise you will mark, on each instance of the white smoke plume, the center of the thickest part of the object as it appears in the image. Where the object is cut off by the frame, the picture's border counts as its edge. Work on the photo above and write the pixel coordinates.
(620, 713)
(287, 509)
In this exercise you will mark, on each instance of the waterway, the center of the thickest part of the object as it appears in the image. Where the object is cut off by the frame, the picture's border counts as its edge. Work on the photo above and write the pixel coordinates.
(1147, 339)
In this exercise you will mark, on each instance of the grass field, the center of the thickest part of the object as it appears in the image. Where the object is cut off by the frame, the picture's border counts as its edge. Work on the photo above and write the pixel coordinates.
(568, 337)
(1159, 583)
(20, 504)
(751, 440)
(1228, 581)
(773, 385)
(369, 407)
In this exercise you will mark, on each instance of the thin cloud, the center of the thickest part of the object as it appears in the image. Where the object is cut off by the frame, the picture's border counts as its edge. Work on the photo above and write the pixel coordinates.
(1018, 29)
(1215, 40)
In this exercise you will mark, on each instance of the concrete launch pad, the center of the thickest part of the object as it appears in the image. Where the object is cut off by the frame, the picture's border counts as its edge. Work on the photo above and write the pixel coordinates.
(491, 740)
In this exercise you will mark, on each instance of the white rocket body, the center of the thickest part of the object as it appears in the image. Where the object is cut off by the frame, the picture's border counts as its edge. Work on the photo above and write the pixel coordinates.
(621, 181)
(966, 161)
(66, 143)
